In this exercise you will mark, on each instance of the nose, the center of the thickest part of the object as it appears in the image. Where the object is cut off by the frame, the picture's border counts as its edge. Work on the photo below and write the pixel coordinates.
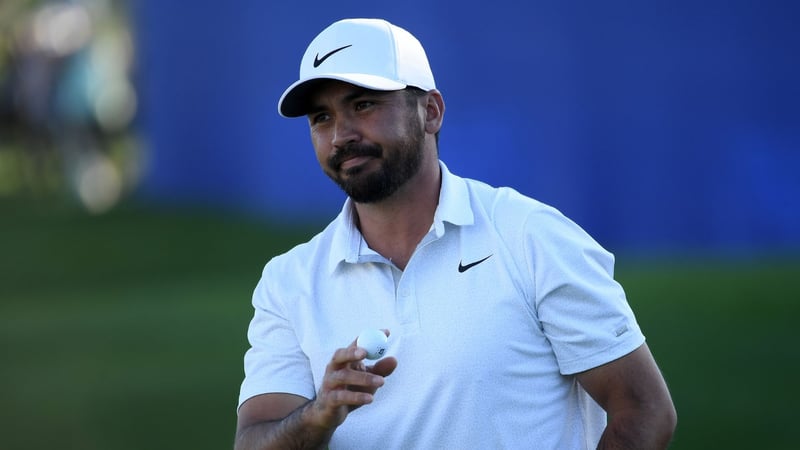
(344, 132)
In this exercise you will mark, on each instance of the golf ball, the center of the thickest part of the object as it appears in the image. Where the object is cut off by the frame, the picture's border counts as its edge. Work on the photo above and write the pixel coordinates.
(374, 342)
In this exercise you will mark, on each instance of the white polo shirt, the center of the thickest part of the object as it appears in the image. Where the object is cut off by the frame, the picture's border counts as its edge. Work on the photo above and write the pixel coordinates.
(501, 303)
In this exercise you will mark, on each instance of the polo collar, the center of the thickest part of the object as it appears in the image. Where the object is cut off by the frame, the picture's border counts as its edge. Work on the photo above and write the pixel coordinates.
(350, 247)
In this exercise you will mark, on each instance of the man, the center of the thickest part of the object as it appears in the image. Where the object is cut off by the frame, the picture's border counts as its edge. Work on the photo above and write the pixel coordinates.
(506, 328)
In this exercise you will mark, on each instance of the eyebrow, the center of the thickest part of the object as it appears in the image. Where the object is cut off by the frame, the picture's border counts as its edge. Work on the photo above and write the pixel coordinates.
(356, 94)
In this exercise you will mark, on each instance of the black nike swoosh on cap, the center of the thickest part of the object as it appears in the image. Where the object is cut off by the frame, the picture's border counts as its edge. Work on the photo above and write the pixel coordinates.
(318, 60)
(463, 268)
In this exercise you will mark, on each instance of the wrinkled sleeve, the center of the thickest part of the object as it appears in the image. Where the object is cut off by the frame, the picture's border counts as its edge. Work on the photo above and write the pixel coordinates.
(274, 363)
(583, 311)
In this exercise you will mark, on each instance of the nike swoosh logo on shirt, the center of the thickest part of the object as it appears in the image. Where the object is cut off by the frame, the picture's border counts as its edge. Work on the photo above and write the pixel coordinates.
(463, 268)
(318, 60)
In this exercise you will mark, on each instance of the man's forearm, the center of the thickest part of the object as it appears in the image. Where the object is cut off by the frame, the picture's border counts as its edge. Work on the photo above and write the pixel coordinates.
(631, 432)
(292, 432)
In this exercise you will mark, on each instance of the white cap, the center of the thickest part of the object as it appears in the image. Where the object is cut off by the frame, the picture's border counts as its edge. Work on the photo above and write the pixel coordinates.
(370, 53)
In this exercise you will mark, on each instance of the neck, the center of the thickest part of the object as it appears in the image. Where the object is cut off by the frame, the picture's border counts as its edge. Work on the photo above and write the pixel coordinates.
(394, 227)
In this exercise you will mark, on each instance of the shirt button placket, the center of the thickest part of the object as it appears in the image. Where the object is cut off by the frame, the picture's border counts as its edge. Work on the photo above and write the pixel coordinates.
(407, 304)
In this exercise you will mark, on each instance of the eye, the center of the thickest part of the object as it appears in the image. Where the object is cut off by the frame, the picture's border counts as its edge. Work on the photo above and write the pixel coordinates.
(363, 104)
(318, 118)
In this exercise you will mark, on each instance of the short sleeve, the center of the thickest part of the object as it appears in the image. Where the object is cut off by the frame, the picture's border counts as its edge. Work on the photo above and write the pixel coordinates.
(583, 311)
(274, 363)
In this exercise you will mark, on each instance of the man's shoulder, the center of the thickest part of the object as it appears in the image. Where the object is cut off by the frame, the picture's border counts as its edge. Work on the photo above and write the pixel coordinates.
(503, 201)
(515, 216)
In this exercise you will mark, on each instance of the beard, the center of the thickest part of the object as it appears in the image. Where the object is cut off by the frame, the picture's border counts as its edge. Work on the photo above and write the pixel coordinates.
(397, 166)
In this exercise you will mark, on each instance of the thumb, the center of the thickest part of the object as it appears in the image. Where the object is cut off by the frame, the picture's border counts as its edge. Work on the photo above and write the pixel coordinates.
(384, 367)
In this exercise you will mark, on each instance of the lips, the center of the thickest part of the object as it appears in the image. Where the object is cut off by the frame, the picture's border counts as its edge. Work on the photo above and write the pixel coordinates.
(354, 161)
(354, 155)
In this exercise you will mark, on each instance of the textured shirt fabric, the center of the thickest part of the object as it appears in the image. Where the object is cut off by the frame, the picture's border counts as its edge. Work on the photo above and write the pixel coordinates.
(502, 302)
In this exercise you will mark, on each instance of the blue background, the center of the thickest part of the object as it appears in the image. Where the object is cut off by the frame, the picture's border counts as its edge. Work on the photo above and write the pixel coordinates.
(658, 126)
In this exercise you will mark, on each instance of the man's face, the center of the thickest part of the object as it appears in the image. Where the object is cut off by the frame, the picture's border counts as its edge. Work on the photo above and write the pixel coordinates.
(369, 142)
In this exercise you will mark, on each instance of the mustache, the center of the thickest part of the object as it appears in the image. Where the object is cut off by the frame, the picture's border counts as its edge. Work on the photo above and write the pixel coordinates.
(353, 150)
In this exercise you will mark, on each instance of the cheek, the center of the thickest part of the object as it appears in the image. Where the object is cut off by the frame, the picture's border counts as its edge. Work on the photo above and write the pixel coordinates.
(321, 150)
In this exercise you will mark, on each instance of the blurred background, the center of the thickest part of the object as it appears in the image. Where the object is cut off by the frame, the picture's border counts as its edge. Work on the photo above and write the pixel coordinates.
(146, 177)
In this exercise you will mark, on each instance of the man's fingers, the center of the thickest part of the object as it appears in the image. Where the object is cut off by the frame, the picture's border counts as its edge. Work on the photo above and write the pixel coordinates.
(348, 384)
(346, 371)
(347, 355)
(384, 367)
(350, 378)
(344, 397)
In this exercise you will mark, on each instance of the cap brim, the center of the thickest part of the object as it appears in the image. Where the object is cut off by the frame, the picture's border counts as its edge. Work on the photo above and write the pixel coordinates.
(295, 101)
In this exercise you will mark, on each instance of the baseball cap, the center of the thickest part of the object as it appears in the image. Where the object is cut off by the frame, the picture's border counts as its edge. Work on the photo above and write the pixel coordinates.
(371, 53)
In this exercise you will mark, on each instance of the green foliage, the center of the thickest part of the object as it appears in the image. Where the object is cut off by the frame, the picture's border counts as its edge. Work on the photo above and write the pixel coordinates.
(127, 330)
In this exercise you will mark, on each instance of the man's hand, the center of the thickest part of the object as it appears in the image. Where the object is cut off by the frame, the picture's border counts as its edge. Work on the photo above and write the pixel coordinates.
(288, 421)
(348, 384)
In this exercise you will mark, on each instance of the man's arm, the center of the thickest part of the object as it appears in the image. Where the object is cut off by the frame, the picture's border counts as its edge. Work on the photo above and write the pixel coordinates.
(286, 421)
(276, 421)
(635, 396)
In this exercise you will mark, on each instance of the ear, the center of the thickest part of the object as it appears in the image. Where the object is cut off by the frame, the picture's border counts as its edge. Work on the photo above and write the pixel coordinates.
(434, 111)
